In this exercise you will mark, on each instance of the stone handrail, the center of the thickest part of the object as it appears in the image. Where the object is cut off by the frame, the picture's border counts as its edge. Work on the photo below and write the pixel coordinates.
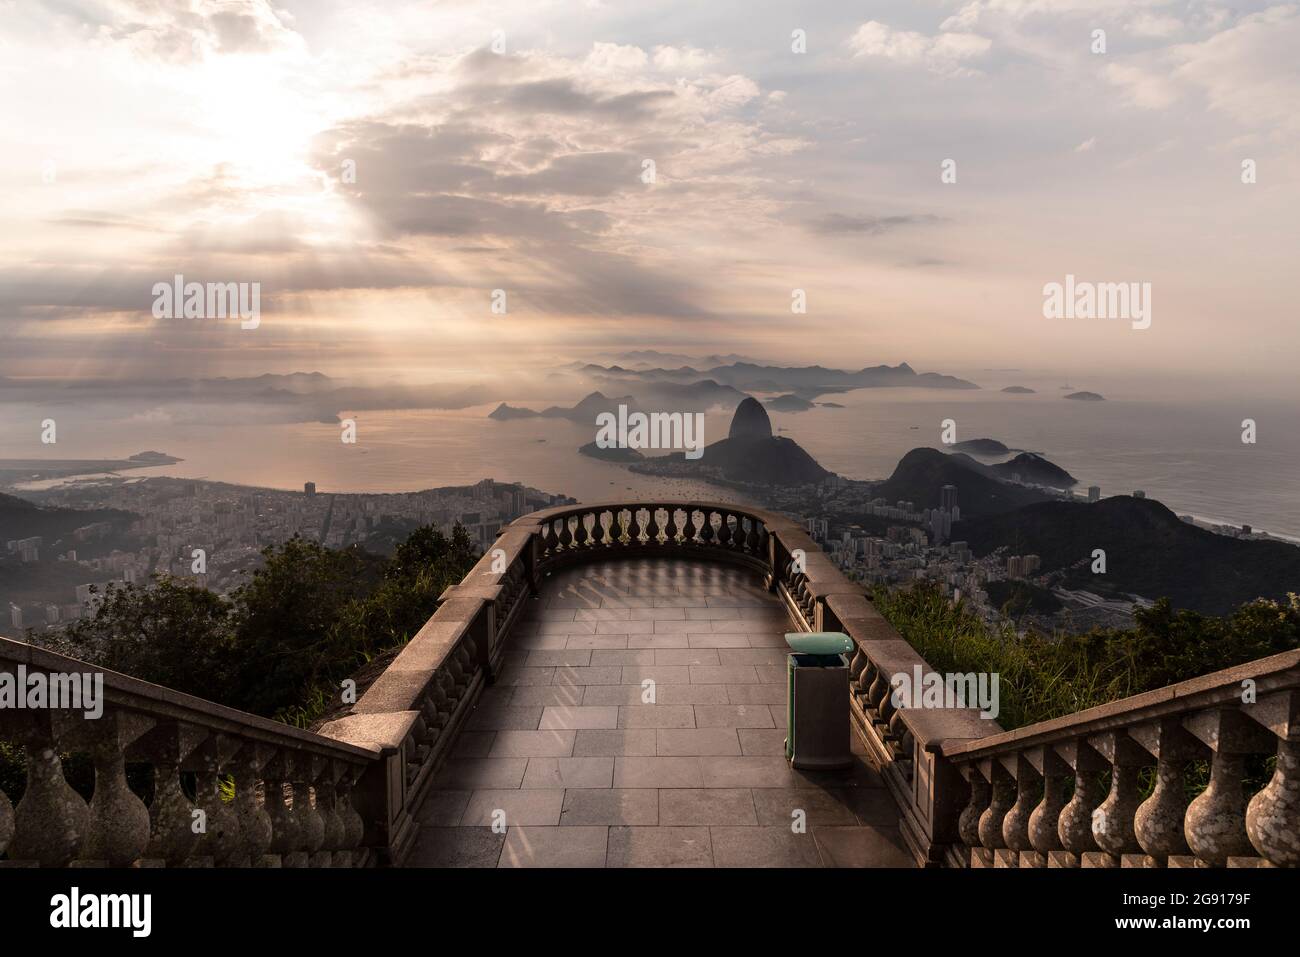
(968, 793)
(292, 790)
(1018, 814)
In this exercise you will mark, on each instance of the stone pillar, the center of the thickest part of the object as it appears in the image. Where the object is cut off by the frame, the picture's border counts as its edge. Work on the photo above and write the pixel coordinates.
(1112, 820)
(1158, 822)
(172, 833)
(1044, 820)
(52, 821)
(1074, 826)
(220, 841)
(1273, 815)
(1215, 824)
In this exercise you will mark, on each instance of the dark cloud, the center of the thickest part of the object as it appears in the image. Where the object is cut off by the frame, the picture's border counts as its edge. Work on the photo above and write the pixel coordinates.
(836, 224)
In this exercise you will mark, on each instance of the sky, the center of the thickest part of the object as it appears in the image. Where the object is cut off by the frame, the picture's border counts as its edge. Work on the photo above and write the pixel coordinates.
(508, 146)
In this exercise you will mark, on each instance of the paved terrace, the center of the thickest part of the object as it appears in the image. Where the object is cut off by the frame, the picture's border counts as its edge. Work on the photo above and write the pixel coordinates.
(588, 775)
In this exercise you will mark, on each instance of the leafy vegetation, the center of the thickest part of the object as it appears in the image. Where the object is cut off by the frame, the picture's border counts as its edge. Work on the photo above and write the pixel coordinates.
(1048, 676)
(305, 621)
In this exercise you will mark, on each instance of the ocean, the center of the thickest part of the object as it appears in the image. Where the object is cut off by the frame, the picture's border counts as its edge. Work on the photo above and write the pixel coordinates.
(1189, 456)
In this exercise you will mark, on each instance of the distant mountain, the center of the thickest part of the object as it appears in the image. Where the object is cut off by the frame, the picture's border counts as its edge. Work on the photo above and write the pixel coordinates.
(790, 403)
(1149, 552)
(750, 454)
(1086, 397)
(805, 381)
(982, 447)
(504, 413)
(750, 421)
(921, 473)
(1018, 390)
(20, 518)
(586, 410)
(611, 455)
(1035, 470)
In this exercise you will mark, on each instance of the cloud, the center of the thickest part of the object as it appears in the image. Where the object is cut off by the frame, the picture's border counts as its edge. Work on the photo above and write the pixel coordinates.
(841, 224)
(942, 53)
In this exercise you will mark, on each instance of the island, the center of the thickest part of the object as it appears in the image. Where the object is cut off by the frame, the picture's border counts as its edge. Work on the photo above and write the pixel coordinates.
(1018, 390)
(1086, 397)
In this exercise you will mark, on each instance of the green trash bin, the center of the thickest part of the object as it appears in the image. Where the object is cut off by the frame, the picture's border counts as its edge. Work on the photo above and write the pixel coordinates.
(817, 700)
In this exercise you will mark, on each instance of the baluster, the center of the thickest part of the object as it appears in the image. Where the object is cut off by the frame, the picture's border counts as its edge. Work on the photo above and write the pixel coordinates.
(671, 530)
(1074, 826)
(1112, 821)
(1158, 822)
(52, 820)
(1044, 821)
(221, 841)
(856, 667)
(311, 826)
(1001, 801)
(615, 526)
(284, 825)
(968, 824)
(756, 544)
(350, 853)
(6, 821)
(652, 529)
(1215, 823)
(689, 531)
(633, 528)
(724, 530)
(1015, 826)
(1273, 815)
(565, 537)
(707, 534)
(254, 822)
(119, 820)
(327, 799)
(172, 837)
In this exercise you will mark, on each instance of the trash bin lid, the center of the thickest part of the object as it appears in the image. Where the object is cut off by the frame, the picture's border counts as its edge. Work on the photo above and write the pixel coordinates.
(819, 642)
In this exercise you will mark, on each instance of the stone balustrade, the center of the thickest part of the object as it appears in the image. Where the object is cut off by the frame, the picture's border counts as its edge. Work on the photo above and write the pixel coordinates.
(969, 794)
(1070, 792)
(226, 788)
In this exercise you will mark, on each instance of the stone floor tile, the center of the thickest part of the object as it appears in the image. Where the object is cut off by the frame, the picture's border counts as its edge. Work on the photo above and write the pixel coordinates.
(554, 847)
(706, 806)
(610, 806)
(862, 847)
(580, 716)
(763, 847)
(656, 716)
(733, 716)
(456, 847)
(645, 772)
(659, 847)
(636, 742)
(702, 742)
(532, 744)
(569, 773)
(470, 774)
(533, 806)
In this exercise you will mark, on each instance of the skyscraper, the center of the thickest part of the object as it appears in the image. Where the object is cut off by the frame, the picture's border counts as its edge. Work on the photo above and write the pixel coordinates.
(1094, 493)
(948, 497)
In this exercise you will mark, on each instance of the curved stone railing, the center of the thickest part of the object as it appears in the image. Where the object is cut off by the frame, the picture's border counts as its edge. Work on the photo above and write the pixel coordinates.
(816, 597)
(967, 792)
(292, 790)
(1036, 793)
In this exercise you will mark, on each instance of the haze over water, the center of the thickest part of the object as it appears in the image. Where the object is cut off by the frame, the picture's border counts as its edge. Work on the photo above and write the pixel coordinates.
(1187, 454)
